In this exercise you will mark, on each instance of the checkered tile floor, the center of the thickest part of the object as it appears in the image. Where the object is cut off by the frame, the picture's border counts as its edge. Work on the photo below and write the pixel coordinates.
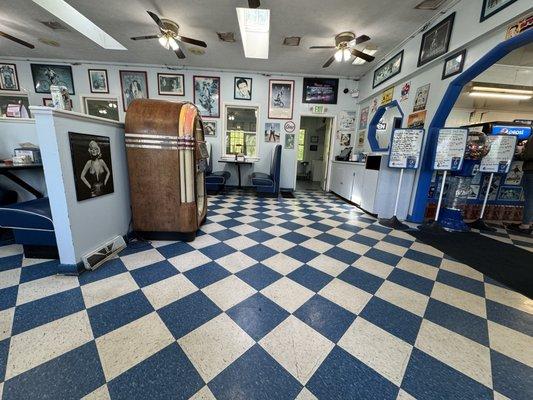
(510, 237)
(276, 299)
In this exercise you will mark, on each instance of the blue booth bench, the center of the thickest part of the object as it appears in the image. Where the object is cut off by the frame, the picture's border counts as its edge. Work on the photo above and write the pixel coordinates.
(31, 222)
(215, 181)
(268, 184)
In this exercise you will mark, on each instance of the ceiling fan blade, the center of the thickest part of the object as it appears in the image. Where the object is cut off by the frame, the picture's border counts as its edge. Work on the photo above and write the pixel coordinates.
(362, 39)
(196, 42)
(322, 47)
(364, 56)
(179, 53)
(328, 63)
(156, 19)
(145, 37)
(17, 40)
(254, 3)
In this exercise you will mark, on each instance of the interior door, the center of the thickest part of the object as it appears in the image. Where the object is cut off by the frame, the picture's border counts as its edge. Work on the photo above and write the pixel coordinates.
(325, 158)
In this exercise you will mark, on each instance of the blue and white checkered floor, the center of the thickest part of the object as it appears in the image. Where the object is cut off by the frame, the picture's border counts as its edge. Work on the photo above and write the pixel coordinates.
(276, 299)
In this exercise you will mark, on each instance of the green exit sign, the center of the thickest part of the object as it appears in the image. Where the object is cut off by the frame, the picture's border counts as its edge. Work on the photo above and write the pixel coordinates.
(318, 110)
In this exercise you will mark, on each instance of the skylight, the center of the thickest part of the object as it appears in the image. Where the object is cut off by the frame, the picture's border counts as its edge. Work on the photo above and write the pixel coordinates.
(255, 31)
(72, 17)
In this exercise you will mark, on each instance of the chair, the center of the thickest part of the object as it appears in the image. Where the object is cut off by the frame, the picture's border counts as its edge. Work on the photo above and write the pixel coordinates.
(214, 181)
(269, 183)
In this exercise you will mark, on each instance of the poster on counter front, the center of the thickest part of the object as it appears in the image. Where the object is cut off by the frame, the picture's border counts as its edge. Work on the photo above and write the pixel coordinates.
(405, 148)
(451, 144)
(502, 149)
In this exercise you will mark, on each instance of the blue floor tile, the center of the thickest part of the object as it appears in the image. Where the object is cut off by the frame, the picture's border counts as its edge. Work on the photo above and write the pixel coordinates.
(10, 262)
(289, 225)
(461, 282)
(317, 225)
(135, 247)
(294, 237)
(111, 315)
(510, 377)
(397, 241)
(38, 271)
(383, 256)
(230, 223)
(175, 249)
(357, 238)
(310, 277)
(109, 268)
(343, 255)
(216, 251)
(260, 236)
(167, 374)
(411, 281)
(153, 273)
(301, 253)
(257, 315)
(188, 313)
(259, 252)
(328, 238)
(260, 224)
(4, 350)
(326, 317)
(224, 235)
(259, 276)
(423, 258)
(380, 229)
(429, 379)
(342, 377)
(255, 375)
(8, 297)
(206, 274)
(363, 280)
(510, 317)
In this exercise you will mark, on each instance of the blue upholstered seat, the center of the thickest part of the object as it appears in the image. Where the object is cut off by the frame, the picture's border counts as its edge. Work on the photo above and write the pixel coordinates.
(269, 183)
(215, 181)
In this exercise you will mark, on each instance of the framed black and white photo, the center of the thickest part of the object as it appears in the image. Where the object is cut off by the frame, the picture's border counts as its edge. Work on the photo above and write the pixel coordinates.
(8, 77)
(346, 139)
(436, 41)
(133, 85)
(242, 88)
(91, 164)
(207, 95)
(421, 97)
(171, 84)
(98, 81)
(102, 107)
(46, 75)
(289, 141)
(22, 101)
(280, 99)
(210, 128)
(320, 90)
(272, 132)
(491, 7)
(454, 64)
(391, 68)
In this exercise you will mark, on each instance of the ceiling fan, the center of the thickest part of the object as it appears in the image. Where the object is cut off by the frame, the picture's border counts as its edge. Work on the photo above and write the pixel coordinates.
(16, 40)
(169, 35)
(345, 43)
(254, 3)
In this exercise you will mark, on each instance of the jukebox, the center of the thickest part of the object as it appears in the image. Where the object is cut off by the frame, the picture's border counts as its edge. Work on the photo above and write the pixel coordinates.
(167, 157)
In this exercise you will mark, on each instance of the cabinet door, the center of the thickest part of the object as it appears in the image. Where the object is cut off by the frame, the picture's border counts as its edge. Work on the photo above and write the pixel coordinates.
(335, 179)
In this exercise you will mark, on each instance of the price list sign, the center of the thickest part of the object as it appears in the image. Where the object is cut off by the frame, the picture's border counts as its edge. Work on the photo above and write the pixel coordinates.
(450, 152)
(405, 148)
(502, 148)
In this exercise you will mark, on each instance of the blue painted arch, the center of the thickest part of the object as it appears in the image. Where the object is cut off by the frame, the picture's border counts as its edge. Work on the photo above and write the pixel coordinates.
(446, 105)
(372, 127)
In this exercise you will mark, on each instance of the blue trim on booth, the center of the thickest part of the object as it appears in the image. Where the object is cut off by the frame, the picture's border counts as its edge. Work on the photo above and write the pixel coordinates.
(71, 269)
(372, 127)
(446, 105)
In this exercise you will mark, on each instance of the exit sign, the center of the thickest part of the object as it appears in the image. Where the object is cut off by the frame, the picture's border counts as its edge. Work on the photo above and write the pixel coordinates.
(318, 109)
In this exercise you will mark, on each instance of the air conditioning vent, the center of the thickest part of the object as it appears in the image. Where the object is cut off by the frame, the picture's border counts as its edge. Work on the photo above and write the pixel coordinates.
(96, 258)
(228, 37)
(54, 25)
(292, 41)
(430, 4)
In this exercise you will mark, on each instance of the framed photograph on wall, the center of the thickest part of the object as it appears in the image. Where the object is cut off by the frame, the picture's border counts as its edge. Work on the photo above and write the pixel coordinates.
(103, 107)
(242, 88)
(436, 41)
(272, 132)
(21, 100)
(46, 75)
(210, 128)
(391, 68)
(491, 7)
(91, 164)
(421, 97)
(280, 99)
(454, 64)
(320, 90)
(9, 79)
(289, 141)
(133, 85)
(48, 102)
(98, 81)
(207, 95)
(171, 84)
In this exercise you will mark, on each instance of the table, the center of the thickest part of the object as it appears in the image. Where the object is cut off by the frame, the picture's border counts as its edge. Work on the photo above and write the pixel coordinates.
(238, 163)
(6, 169)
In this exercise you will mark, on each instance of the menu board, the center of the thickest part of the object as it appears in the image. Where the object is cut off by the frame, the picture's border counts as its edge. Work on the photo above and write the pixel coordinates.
(502, 148)
(450, 152)
(405, 148)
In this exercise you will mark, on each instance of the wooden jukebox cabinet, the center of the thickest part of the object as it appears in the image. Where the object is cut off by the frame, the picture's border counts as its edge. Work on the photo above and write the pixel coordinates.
(167, 156)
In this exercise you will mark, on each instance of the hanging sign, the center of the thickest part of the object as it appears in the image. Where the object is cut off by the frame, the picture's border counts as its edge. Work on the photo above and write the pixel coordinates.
(502, 149)
(405, 148)
(451, 145)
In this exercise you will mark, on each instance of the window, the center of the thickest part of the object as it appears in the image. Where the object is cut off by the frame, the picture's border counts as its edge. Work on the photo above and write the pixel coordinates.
(240, 134)
(301, 145)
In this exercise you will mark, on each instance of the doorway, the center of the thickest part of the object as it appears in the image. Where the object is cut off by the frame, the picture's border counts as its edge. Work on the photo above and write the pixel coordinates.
(313, 148)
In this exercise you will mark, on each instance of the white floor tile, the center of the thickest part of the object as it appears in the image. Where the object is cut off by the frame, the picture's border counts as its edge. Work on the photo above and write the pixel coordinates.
(102, 393)
(203, 241)
(316, 245)
(168, 290)
(228, 292)
(511, 343)
(6, 323)
(328, 265)
(391, 248)
(509, 298)
(373, 267)
(8, 278)
(279, 244)
(461, 269)
(188, 261)
(141, 259)
(107, 289)
(203, 394)
(288, 294)
(345, 295)
(240, 242)
(460, 299)
(418, 268)
(354, 247)
(403, 297)
(306, 395)
(235, 262)
(39, 288)
(282, 263)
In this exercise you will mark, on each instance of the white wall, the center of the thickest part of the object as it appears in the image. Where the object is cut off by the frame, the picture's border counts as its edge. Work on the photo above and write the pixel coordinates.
(259, 97)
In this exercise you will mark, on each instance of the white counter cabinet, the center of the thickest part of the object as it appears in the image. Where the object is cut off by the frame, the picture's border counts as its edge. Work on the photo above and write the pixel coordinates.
(346, 180)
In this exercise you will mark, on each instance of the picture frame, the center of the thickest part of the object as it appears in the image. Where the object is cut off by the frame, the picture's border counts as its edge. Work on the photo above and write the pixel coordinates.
(436, 41)
(133, 85)
(272, 132)
(314, 139)
(98, 81)
(170, 84)
(289, 141)
(46, 75)
(15, 98)
(421, 97)
(391, 68)
(9, 79)
(102, 107)
(491, 7)
(280, 99)
(242, 88)
(210, 127)
(313, 147)
(48, 102)
(320, 90)
(207, 95)
(454, 64)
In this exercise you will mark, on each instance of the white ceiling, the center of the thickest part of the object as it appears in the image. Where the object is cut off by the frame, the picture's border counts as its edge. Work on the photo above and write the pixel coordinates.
(317, 21)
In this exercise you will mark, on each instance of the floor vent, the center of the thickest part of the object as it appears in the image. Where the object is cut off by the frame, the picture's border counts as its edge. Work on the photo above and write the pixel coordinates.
(96, 258)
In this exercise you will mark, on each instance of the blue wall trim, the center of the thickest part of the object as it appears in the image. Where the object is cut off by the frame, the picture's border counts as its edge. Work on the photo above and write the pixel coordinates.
(70, 269)
(372, 128)
(446, 105)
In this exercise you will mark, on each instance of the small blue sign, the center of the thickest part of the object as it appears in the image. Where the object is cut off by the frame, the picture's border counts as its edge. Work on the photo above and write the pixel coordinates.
(521, 132)
(456, 163)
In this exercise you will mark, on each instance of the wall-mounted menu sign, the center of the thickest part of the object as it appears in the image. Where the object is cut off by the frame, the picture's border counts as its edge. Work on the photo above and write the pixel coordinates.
(451, 144)
(502, 148)
(405, 148)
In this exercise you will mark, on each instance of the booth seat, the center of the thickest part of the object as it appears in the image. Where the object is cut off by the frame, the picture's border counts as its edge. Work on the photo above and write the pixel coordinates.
(215, 181)
(269, 183)
(31, 222)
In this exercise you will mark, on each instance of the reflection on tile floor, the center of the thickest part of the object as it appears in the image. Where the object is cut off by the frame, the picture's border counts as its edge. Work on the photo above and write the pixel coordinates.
(276, 299)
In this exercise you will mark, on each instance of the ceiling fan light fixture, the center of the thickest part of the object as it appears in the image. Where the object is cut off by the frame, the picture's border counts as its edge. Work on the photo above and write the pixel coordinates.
(173, 44)
(338, 55)
(346, 55)
(164, 41)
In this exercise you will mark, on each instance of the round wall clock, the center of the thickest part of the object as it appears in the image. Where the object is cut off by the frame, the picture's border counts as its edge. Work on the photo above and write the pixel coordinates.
(289, 126)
